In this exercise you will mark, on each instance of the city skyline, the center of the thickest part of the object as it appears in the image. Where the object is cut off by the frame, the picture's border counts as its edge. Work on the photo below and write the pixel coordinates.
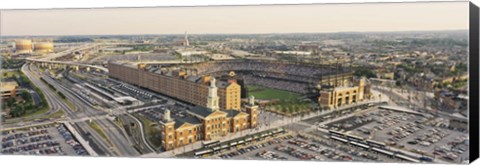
(233, 20)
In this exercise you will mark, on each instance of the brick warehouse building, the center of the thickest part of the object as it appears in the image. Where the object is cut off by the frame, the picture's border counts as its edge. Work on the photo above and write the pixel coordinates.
(178, 85)
(206, 123)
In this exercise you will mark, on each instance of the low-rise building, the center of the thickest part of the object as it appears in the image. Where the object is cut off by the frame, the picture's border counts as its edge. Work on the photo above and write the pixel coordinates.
(206, 123)
(9, 89)
(386, 75)
(189, 52)
(337, 96)
(458, 122)
(451, 101)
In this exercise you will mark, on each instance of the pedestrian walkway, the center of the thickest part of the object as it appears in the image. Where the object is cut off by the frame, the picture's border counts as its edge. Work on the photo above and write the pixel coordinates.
(80, 139)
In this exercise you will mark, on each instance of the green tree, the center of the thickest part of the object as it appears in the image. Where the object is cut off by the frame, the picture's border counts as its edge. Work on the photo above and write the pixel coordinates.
(365, 73)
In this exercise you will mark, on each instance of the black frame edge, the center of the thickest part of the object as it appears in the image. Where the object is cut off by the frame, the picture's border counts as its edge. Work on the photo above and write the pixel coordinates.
(474, 82)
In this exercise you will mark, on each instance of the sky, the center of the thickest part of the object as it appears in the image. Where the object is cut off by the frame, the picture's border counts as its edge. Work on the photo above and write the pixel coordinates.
(317, 18)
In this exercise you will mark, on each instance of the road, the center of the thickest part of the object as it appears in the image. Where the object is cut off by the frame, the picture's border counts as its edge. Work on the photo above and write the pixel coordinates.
(418, 104)
(50, 57)
(56, 102)
(113, 133)
(78, 113)
(138, 133)
(47, 92)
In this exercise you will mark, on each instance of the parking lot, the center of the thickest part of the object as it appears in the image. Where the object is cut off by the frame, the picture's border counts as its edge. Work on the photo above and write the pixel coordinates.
(415, 133)
(155, 114)
(350, 123)
(298, 147)
(51, 139)
(342, 120)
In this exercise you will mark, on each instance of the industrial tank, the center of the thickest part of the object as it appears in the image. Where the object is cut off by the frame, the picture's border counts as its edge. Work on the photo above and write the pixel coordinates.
(23, 46)
(43, 47)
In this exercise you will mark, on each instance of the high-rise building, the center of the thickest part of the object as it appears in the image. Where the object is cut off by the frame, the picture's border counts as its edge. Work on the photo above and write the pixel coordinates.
(185, 40)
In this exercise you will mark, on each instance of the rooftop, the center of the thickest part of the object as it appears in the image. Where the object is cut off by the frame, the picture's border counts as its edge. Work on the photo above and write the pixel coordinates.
(200, 111)
(8, 85)
(189, 119)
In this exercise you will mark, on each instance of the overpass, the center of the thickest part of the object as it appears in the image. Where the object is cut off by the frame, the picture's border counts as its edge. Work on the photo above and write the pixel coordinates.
(49, 61)
(66, 64)
(53, 56)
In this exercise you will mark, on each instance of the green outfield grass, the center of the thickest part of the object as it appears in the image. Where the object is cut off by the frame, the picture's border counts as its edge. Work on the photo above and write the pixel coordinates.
(261, 92)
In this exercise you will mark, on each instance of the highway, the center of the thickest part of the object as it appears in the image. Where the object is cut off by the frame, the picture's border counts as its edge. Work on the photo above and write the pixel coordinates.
(50, 57)
(81, 111)
(49, 94)
(68, 51)
(113, 133)
(117, 142)
(56, 102)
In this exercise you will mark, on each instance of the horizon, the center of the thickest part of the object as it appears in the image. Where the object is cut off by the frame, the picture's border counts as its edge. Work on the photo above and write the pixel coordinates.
(256, 19)
(199, 34)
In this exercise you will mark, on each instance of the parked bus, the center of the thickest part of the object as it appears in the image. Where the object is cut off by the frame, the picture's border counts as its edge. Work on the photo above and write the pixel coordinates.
(203, 152)
(376, 144)
(208, 144)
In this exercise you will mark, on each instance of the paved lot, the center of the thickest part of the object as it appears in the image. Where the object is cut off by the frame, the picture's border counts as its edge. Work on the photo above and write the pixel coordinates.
(413, 133)
(52, 139)
(296, 148)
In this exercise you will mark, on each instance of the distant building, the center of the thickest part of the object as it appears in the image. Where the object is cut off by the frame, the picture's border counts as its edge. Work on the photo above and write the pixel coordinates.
(220, 57)
(301, 53)
(189, 52)
(383, 82)
(451, 101)
(458, 123)
(386, 75)
(9, 89)
(309, 48)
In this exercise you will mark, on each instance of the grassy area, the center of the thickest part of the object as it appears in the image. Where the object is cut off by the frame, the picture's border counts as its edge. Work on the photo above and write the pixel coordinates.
(10, 63)
(69, 104)
(99, 130)
(37, 112)
(29, 115)
(57, 114)
(269, 93)
(24, 108)
(459, 84)
(288, 103)
(289, 108)
(153, 134)
(10, 74)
